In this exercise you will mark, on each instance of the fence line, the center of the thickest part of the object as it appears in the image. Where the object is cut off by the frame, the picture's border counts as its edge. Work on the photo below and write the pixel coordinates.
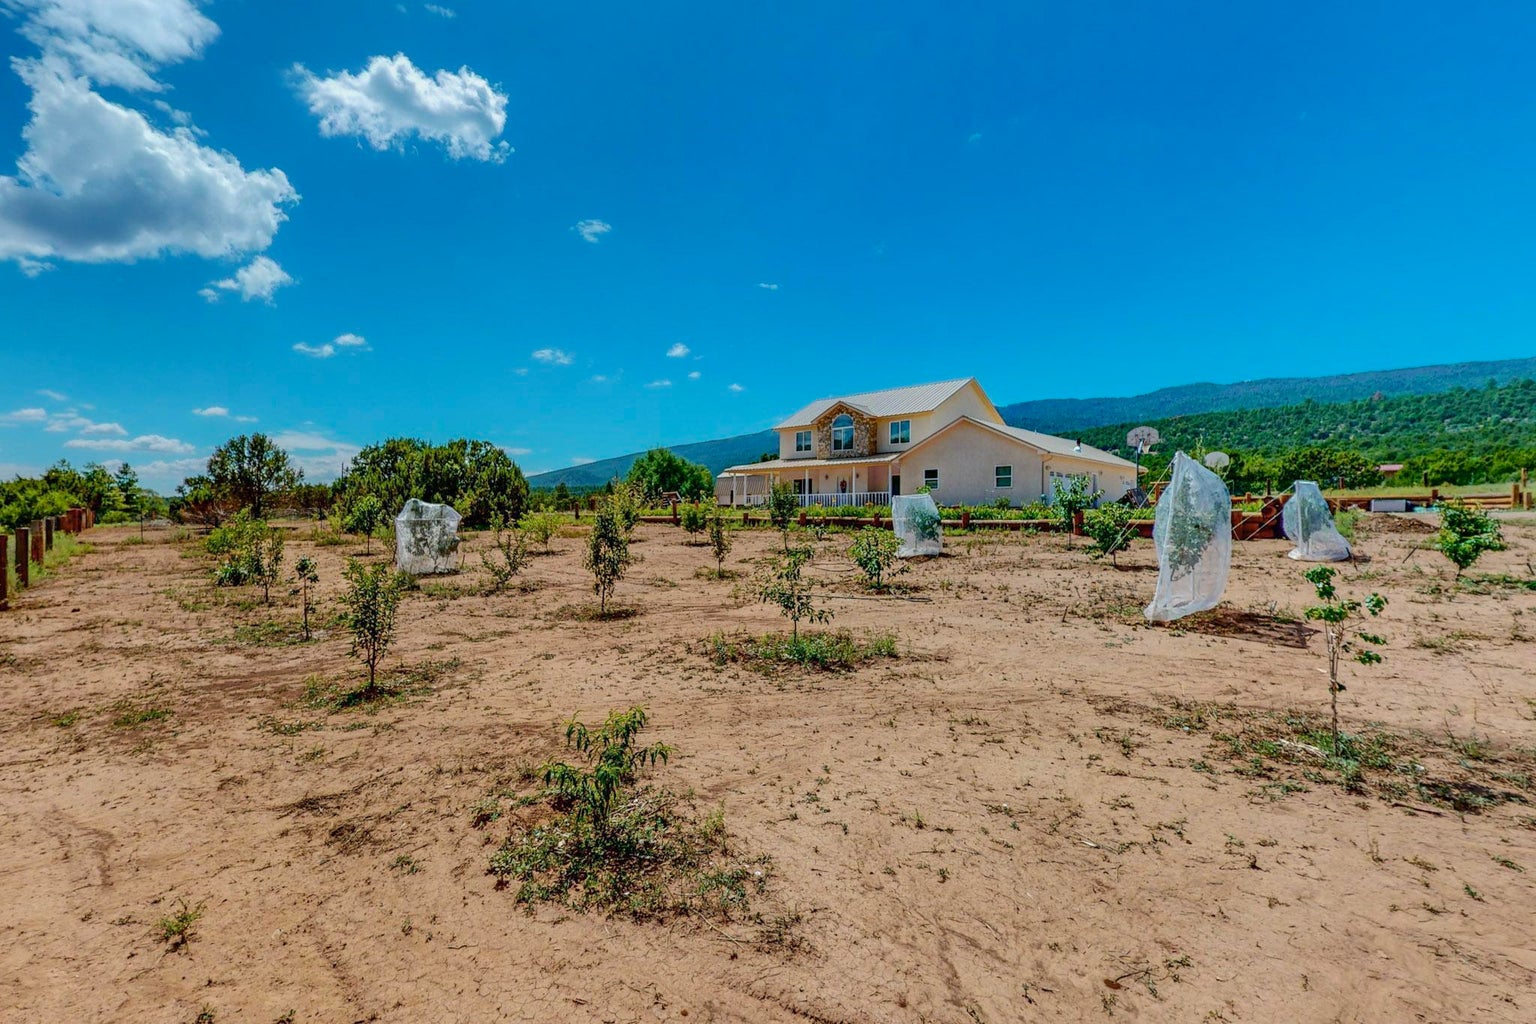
(29, 545)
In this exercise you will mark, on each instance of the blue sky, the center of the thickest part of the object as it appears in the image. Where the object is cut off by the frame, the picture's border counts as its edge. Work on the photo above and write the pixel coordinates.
(582, 229)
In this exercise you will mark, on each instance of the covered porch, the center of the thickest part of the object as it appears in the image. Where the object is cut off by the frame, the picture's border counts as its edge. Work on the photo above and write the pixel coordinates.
(830, 483)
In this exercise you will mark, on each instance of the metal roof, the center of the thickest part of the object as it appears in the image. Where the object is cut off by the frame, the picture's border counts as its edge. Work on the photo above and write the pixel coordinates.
(1065, 446)
(892, 402)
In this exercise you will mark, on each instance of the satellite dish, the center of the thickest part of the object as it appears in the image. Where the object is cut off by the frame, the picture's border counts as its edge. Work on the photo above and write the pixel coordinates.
(1217, 460)
(1142, 438)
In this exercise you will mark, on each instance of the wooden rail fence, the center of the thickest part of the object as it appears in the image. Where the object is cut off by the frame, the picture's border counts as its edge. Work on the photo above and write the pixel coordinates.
(29, 545)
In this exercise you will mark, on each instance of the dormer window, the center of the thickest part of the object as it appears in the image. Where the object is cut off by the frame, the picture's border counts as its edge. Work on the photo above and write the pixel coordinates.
(842, 433)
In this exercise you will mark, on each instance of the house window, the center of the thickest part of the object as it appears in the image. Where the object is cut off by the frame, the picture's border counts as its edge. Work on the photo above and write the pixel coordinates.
(799, 486)
(931, 479)
(1004, 475)
(802, 441)
(901, 431)
(842, 433)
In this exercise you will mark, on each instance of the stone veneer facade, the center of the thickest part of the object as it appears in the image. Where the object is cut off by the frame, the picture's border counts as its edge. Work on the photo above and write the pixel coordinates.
(863, 434)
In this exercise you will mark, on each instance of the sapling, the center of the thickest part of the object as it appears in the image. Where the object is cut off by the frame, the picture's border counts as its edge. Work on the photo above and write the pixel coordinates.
(372, 599)
(694, 520)
(1335, 613)
(874, 552)
(266, 562)
(783, 506)
(607, 556)
(1109, 528)
(540, 527)
(1465, 533)
(719, 539)
(508, 554)
(364, 517)
(613, 758)
(787, 586)
(1071, 497)
(305, 576)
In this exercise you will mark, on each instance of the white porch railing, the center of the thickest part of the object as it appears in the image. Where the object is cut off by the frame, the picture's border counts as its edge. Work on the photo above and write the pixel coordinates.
(834, 499)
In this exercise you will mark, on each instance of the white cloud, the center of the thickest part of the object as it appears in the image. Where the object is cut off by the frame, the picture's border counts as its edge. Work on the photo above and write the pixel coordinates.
(592, 230)
(97, 182)
(48, 393)
(766, 285)
(515, 452)
(25, 416)
(553, 357)
(391, 100)
(258, 279)
(142, 443)
(695, 375)
(167, 473)
(736, 388)
(212, 410)
(663, 383)
(521, 371)
(330, 348)
(115, 429)
(441, 12)
(320, 457)
(315, 351)
(350, 340)
(678, 351)
(581, 460)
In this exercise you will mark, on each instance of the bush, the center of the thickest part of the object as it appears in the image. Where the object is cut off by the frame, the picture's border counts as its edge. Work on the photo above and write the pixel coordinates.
(1072, 497)
(838, 650)
(1109, 528)
(695, 519)
(1465, 533)
(372, 599)
(541, 526)
(874, 552)
(783, 507)
(787, 587)
(364, 517)
(507, 557)
(607, 556)
(616, 846)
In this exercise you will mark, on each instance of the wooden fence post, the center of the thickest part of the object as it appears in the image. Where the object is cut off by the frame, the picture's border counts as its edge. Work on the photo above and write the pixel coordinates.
(965, 519)
(23, 564)
(802, 517)
(37, 541)
(5, 575)
(48, 525)
(675, 519)
(1077, 524)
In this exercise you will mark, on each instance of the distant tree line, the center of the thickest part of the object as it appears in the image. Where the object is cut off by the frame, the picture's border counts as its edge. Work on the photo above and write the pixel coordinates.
(115, 496)
(1462, 436)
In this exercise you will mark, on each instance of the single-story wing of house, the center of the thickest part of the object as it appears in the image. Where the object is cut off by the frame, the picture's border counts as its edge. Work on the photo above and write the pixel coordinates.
(946, 437)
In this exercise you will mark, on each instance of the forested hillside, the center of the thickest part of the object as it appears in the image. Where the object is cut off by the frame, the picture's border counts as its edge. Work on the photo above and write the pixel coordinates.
(1464, 435)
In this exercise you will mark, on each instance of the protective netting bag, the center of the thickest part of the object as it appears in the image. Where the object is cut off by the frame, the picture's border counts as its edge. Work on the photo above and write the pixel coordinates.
(915, 520)
(1193, 535)
(1307, 520)
(426, 538)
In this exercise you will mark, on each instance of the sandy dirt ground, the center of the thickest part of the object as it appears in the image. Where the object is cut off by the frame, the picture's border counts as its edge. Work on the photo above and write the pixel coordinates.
(1037, 812)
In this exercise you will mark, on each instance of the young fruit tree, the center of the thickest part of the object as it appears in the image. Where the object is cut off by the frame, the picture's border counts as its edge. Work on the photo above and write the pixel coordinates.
(1072, 496)
(613, 759)
(783, 507)
(1335, 613)
(874, 552)
(266, 564)
(372, 599)
(508, 555)
(720, 540)
(1465, 533)
(787, 587)
(540, 527)
(305, 577)
(1110, 530)
(695, 519)
(607, 556)
(364, 517)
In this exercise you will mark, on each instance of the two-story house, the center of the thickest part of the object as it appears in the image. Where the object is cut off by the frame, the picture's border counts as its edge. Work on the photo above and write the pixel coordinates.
(948, 437)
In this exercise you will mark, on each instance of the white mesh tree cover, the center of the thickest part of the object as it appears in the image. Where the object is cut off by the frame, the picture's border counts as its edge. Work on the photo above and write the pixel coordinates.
(426, 537)
(1193, 535)
(1308, 521)
(915, 521)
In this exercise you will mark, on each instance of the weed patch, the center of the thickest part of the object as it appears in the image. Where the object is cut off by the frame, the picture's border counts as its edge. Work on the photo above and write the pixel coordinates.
(838, 650)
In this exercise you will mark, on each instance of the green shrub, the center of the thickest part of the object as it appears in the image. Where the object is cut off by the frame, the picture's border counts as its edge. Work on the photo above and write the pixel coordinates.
(695, 519)
(508, 554)
(607, 556)
(372, 598)
(719, 538)
(787, 587)
(1109, 528)
(541, 526)
(1465, 533)
(874, 552)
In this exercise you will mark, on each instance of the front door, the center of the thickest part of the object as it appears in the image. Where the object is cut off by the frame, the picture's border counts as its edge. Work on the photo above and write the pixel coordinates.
(895, 483)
